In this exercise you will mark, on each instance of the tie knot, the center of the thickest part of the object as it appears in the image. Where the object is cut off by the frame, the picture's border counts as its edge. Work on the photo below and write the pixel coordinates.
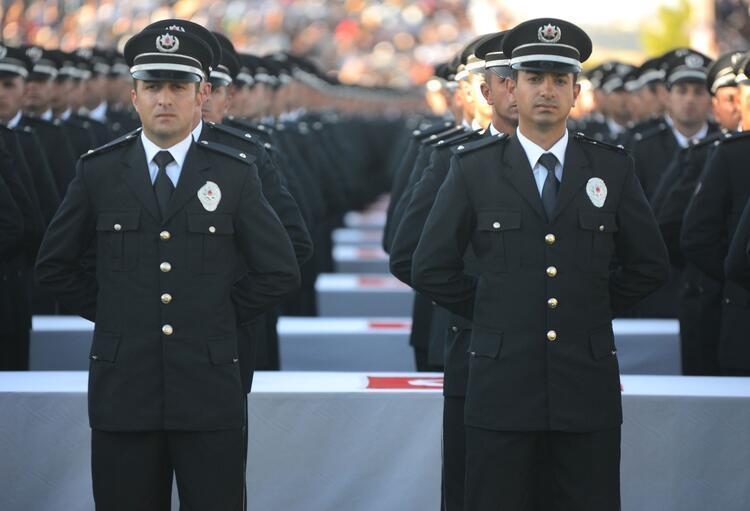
(548, 161)
(163, 158)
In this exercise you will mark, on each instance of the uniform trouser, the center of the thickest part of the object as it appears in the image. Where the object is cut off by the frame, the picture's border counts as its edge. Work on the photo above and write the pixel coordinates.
(133, 470)
(501, 468)
(454, 453)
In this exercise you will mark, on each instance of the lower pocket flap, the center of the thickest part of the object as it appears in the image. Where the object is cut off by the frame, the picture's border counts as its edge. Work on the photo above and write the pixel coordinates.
(104, 347)
(223, 351)
(602, 343)
(485, 343)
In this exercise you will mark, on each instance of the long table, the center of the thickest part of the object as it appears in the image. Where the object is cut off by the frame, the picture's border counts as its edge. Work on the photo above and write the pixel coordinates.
(355, 344)
(362, 295)
(324, 441)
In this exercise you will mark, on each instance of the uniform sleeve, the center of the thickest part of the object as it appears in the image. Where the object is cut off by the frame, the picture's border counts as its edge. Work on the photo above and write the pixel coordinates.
(11, 222)
(438, 265)
(272, 270)
(704, 227)
(70, 233)
(643, 261)
(415, 215)
(286, 209)
(737, 264)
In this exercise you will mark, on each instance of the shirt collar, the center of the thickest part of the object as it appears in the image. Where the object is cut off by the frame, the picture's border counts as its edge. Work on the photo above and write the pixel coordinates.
(682, 140)
(494, 131)
(15, 120)
(615, 127)
(533, 151)
(100, 112)
(66, 114)
(198, 130)
(178, 151)
(47, 116)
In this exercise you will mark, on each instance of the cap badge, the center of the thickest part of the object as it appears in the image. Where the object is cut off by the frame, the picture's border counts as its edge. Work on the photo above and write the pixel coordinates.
(176, 28)
(34, 53)
(549, 33)
(210, 196)
(3, 51)
(597, 191)
(167, 43)
(694, 61)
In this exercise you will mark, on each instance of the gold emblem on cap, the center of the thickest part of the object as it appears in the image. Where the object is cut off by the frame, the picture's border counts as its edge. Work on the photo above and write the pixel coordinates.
(549, 33)
(694, 61)
(167, 43)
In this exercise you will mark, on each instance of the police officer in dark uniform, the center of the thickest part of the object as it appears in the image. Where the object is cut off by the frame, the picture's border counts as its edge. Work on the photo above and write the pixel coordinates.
(186, 248)
(564, 240)
(449, 338)
(709, 226)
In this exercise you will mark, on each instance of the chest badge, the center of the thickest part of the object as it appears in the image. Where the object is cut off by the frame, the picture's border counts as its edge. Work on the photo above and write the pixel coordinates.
(210, 196)
(597, 191)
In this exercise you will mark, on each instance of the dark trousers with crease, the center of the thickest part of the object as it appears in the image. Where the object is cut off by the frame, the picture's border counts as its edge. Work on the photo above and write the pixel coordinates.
(133, 470)
(502, 470)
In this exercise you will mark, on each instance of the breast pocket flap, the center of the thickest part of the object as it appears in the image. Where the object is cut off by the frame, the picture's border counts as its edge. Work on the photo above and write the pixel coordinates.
(498, 220)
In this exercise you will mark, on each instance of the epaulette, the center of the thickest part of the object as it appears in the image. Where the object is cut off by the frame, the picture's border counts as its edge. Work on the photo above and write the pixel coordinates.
(482, 142)
(738, 135)
(651, 131)
(588, 140)
(246, 125)
(464, 135)
(421, 134)
(227, 151)
(119, 141)
(435, 137)
(244, 135)
(713, 139)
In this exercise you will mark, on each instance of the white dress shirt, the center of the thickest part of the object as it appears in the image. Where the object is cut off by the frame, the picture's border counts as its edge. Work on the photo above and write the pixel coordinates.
(494, 131)
(100, 112)
(178, 152)
(197, 131)
(682, 140)
(15, 120)
(533, 152)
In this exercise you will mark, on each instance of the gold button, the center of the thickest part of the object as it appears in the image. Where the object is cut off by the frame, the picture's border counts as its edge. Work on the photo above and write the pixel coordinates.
(118, 227)
(551, 335)
(552, 271)
(165, 267)
(496, 225)
(165, 235)
(601, 228)
(552, 303)
(166, 298)
(167, 330)
(550, 239)
(212, 229)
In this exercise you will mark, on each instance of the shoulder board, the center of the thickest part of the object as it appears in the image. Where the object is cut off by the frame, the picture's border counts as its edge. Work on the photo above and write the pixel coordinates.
(651, 131)
(247, 125)
(465, 136)
(587, 140)
(711, 139)
(436, 137)
(738, 135)
(35, 121)
(118, 142)
(432, 129)
(227, 151)
(478, 144)
(244, 135)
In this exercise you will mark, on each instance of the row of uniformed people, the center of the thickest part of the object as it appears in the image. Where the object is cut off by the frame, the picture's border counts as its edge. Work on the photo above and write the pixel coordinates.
(321, 148)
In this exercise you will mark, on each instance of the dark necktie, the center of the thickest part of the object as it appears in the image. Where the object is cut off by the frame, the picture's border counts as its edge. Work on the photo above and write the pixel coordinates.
(163, 186)
(551, 184)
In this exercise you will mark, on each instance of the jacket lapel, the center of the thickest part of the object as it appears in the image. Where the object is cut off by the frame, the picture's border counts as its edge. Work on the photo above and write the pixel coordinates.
(520, 175)
(576, 174)
(191, 179)
(136, 175)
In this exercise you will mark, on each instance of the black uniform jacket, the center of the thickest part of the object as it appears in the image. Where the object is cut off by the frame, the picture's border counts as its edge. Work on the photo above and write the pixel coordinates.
(737, 264)
(164, 299)
(709, 225)
(542, 347)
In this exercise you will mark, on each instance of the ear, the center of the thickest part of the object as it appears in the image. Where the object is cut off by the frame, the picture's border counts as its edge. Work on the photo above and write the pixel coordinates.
(576, 92)
(486, 92)
(133, 97)
(510, 85)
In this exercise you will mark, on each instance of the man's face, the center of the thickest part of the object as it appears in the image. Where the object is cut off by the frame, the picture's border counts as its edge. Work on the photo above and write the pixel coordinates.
(503, 104)
(240, 98)
(544, 99)
(37, 95)
(11, 96)
(77, 92)
(725, 107)
(689, 103)
(217, 103)
(166, 109)
(96, 91)
(650, 100)
(60, 94)
(618, 106)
